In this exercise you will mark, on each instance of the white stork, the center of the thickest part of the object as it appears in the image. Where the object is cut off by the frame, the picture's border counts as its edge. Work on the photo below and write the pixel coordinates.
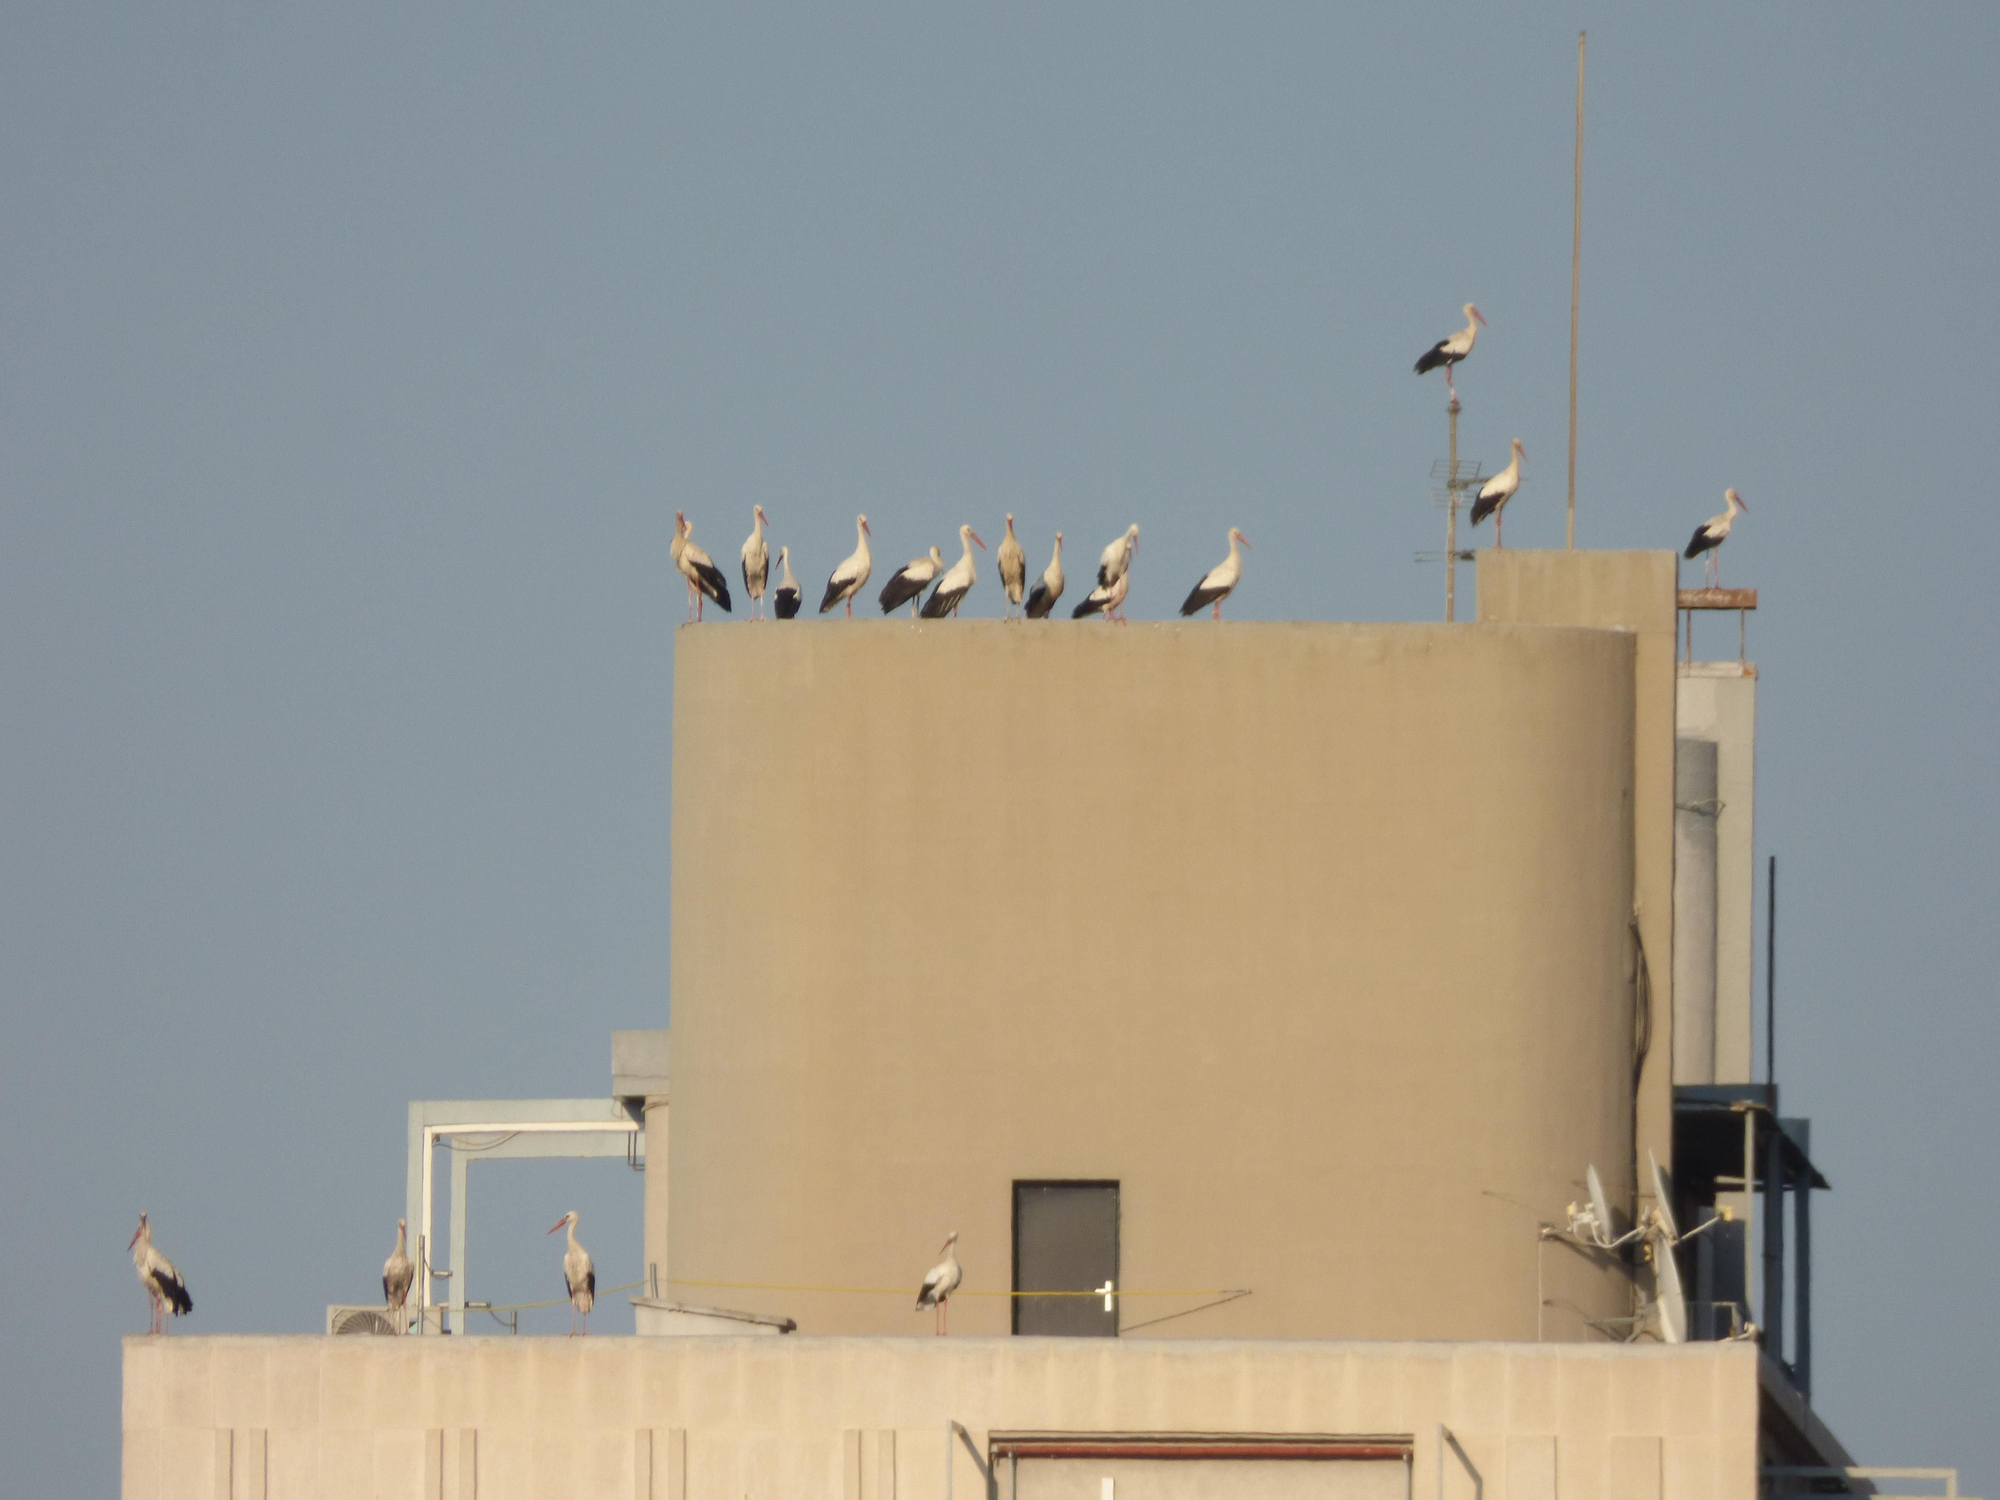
(1012, 564)
(785, 597)
(847, 579)
(756, 562)
(1115, 559)
(679, 545)
(957, 581)
(907, 584)
(1712, 533)
(705, 580)
(1449, 351)
(940, 1281)
(1497, 491)
(1220, 581)
(163, 1284)
(1107, 599)
(579, 1275)
(1042, 598)
(397, 1274)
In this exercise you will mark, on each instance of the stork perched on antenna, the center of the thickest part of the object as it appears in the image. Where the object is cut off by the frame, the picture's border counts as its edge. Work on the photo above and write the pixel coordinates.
(846, 580)
(1042, 598)
(579, 1275)
(756, 563)
(940, 1281)
(1447, 352)
(1012, 564)
(907, 584)
(163, 1284)
(1712, 533)
(1497, 491)
(397, 1274)
(957, 581)
(785, 597)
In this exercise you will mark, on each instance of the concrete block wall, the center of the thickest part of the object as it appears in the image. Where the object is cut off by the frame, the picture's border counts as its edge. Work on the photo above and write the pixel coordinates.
(866, 1418)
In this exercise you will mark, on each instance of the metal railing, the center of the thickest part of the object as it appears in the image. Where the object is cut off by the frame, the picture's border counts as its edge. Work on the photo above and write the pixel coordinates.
(1815, 1478)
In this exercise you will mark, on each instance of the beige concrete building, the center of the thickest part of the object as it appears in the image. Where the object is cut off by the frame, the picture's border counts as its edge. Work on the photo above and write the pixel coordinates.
(1253, 1000)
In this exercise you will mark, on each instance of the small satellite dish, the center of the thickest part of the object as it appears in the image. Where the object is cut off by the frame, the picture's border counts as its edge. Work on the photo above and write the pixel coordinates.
(1599, 1205)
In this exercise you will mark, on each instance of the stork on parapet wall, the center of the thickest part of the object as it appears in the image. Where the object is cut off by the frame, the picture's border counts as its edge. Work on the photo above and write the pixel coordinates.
(848, 579)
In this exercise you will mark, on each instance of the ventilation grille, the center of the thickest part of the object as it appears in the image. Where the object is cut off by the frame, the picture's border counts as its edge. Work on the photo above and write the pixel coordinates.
(359, 1320)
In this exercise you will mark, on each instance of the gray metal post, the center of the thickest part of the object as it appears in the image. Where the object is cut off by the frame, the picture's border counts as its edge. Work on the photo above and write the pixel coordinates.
(1774, 1239)
(1696, 807)
(461, 1162)
(1801, 1131)
(1451, 519)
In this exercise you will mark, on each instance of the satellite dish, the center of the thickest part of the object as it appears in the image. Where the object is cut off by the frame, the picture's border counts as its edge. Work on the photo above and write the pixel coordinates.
(1668, 1295)
(1600, 1206)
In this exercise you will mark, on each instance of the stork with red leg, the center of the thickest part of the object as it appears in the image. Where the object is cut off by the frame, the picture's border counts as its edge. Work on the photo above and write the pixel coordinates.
(1712, 533)
(846, 580)
(579, 1275)
(940, 1281)
(1447, 352)
(1220, 581)
(1497, 491)
(163, 1284)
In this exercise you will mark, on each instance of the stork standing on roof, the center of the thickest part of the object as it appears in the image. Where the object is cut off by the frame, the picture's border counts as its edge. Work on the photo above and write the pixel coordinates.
(940, 1281)
(1012, 564)
(1107, 599)
(1115, 559)
(1447, 352)
(785, 597)
(957, 581)
(756, 563)
(1042, 598)
(847, 579)
(397, 1274)
(703, 576)
(1712, 533)
(579, 1275)
(907, 584)
(163, 1284)
(1220, 581)
(679, 545)
(1497, 491)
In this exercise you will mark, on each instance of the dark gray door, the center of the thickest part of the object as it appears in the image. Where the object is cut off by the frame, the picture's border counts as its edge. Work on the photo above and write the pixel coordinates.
(1065, 1240)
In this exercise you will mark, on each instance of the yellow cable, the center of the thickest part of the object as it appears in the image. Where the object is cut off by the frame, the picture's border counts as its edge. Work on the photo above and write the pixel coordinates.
(905, 1291)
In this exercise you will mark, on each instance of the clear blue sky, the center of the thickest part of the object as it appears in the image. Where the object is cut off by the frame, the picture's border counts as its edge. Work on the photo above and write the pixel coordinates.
(353, 360)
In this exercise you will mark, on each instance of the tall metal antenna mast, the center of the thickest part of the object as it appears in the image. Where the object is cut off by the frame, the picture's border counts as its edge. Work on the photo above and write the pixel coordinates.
(1575, 282)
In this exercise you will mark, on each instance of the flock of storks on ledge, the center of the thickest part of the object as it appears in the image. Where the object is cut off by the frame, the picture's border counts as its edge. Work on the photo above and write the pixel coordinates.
(948, 586)
(167, 1291)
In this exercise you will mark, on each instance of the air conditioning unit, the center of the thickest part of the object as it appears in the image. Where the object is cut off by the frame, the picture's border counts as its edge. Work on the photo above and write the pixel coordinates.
(373, 1319)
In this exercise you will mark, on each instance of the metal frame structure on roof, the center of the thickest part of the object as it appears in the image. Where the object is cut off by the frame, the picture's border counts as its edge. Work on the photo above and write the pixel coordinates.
(496, 1130)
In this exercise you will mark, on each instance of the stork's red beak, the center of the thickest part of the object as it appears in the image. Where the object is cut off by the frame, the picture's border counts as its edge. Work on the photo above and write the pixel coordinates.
(1478, 317)
(975, 536)
(135, 1236)
(558, 1223)
(1242, 538)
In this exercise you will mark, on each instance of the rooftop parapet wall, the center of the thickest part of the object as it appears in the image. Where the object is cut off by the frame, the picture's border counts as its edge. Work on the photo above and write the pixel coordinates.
(1630, 591)
(1315, 938)
(834, 1419)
